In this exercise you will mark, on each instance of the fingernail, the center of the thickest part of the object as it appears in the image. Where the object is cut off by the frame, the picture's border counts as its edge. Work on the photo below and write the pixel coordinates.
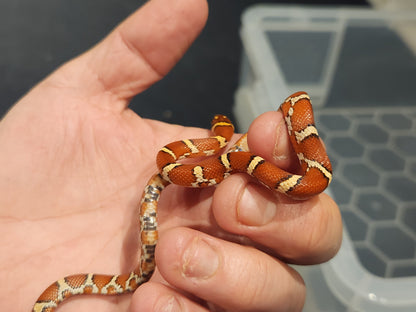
(168, 304)
(280, 151)
(200, 260)
(254, 209)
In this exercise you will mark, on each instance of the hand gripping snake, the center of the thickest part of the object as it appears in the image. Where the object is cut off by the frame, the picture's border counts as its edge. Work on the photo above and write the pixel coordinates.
(314, 162)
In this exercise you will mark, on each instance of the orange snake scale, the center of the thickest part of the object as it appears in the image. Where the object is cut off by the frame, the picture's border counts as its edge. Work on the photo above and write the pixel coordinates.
(315, 164)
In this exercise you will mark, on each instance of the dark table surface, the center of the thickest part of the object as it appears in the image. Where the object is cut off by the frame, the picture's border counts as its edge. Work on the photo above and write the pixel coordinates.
(38, 36)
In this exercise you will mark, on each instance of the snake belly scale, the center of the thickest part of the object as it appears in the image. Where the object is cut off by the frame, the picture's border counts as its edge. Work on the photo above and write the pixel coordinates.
(315, 177)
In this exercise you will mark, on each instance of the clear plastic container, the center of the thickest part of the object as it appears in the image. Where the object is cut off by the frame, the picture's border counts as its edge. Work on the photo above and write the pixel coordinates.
(360, 72)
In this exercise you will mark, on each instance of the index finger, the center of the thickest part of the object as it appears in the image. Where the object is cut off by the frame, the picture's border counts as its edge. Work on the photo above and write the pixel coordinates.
(303, 232)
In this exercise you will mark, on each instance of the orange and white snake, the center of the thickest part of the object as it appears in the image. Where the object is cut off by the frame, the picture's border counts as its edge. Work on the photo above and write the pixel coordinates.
(315, 164)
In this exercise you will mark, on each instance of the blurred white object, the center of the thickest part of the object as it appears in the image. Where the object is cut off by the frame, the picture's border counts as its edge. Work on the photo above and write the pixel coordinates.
(360, 74)
(409, 32)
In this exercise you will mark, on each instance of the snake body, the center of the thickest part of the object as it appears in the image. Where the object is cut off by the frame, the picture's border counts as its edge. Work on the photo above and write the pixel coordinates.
(315, 177)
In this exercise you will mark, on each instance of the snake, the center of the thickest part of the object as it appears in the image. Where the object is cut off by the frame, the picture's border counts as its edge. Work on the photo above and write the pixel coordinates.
(315, 175)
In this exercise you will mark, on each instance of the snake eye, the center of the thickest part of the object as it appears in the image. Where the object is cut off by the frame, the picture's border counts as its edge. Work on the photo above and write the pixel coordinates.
(220, 118)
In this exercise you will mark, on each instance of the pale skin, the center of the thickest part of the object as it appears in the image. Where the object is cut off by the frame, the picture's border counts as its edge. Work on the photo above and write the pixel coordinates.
(75, 160)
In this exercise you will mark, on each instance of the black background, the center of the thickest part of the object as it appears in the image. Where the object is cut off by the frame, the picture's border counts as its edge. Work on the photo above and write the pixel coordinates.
(38, 36)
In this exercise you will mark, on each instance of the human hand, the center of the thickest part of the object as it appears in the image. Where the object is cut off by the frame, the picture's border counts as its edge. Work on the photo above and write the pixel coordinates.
(75, 161)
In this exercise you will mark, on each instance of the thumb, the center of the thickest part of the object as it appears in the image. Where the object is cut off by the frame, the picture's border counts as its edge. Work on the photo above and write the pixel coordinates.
(137, 53)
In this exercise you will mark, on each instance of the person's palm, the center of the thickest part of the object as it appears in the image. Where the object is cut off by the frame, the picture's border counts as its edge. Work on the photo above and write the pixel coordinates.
(84, 159)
